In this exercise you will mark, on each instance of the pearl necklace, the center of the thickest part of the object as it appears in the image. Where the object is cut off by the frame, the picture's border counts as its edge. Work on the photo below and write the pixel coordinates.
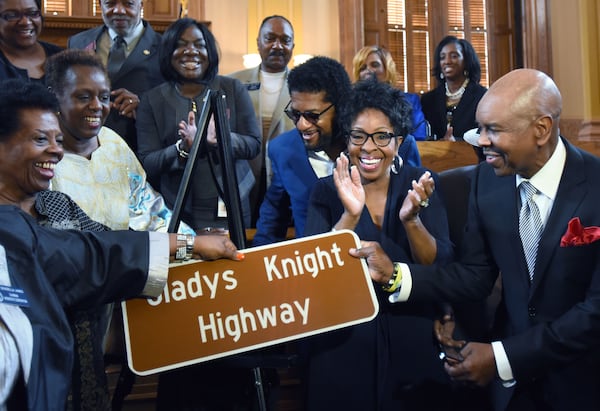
(458, 93)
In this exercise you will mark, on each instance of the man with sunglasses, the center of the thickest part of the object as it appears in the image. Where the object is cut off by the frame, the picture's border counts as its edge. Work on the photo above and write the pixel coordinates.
(301, 156)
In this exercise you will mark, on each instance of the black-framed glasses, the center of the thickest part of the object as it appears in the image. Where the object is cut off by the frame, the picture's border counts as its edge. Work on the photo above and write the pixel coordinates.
(15, 15)
(312, 118)
(380, 138)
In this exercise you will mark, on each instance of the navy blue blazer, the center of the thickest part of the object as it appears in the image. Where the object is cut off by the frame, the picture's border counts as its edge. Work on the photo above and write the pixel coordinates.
(65, 269)
(433, 104)
(551, 329)
(287, 196)
(140, 72)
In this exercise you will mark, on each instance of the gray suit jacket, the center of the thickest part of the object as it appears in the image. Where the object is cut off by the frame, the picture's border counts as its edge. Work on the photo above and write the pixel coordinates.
(280, 123)
(139, 73)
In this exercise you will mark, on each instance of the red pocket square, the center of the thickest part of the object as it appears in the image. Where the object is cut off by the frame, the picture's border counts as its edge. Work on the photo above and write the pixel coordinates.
(91, 46)
(579, 235)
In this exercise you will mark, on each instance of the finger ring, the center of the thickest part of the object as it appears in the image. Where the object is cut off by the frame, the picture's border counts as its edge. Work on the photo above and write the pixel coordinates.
(130, 101)
(424, 203)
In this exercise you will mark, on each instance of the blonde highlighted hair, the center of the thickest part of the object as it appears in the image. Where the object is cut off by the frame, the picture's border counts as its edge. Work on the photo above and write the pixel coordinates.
(360, 59)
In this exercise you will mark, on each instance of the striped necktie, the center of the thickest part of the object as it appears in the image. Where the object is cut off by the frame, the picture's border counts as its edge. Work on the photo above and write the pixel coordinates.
(530, 225)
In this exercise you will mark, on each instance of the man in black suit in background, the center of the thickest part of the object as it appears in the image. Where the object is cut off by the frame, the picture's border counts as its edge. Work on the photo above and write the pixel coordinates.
(545, 353)
(138, 72)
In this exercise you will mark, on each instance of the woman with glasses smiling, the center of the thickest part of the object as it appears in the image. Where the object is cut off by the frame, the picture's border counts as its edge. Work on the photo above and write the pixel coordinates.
(389, 363)
(22, 55)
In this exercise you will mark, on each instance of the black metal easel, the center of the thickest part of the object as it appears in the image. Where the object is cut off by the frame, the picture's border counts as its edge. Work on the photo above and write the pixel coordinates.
(214, 103)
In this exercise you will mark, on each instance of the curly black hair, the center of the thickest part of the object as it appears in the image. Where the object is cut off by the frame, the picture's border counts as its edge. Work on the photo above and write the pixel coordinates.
(323, 74)
(472, 65)
(17, 96)
(58, 65)
(372, 94)
(169, 44)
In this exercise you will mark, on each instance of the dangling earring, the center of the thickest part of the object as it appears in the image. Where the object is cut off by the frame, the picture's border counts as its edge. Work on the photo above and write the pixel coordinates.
(466, 73)
(396, 164)
(441, 76)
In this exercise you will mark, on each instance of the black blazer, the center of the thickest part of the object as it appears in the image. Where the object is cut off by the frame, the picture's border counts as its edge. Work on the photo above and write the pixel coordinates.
(9, 71)
(65, 269)
(433, 104)
(140, 72)
(551, 329)
(158, 115)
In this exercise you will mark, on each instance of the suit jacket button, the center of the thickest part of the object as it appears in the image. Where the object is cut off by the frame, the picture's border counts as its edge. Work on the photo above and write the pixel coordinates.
(531, 311)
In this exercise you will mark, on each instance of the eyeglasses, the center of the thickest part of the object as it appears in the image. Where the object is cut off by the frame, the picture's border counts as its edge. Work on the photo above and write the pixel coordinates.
(14, 15)
(381, 139)
(312, 118)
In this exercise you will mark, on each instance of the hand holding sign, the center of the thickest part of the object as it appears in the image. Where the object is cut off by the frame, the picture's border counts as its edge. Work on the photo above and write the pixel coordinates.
(278, 293)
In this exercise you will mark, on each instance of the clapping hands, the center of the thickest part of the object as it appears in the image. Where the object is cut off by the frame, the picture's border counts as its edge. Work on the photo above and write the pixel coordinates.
(350, 191)
(417, 197)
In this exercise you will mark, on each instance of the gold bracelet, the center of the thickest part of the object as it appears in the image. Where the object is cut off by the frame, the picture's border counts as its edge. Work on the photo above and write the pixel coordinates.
(395, 280)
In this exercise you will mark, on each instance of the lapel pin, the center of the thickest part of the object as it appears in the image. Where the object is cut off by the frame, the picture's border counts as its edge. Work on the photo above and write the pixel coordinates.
(146, 52)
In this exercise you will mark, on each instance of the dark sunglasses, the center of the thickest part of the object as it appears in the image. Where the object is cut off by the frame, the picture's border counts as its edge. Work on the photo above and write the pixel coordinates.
(381, 139)
(312, 118)
(15, 15)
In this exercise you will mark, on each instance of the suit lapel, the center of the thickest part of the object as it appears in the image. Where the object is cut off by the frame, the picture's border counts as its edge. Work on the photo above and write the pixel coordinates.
(89, 40)
(569, 196)
(255, 94)
(143, 50)
(501, 209)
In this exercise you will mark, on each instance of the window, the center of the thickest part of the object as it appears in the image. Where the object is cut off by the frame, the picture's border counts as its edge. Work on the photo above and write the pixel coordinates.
(56, 8)
(411, 38)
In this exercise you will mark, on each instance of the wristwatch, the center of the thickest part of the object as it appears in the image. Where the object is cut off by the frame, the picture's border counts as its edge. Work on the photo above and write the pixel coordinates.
(185, 247)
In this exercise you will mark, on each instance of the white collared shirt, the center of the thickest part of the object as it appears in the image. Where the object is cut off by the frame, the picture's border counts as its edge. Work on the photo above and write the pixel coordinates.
(131, 40)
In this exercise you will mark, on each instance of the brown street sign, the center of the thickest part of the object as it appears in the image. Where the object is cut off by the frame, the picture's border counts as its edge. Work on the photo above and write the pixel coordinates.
(278, 293)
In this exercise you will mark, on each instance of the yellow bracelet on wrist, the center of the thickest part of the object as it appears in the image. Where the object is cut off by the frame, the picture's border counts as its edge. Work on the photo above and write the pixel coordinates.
(395, 280)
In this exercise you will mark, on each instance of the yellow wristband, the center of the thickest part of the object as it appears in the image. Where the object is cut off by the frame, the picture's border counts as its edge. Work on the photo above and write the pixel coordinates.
(395, 280)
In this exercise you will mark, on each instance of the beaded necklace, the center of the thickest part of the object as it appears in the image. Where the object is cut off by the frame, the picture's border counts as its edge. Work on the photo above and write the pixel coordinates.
(458, 93)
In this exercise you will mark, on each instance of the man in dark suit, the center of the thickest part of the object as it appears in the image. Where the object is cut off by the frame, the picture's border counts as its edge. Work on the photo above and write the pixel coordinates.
(545, 353)
(139, 71)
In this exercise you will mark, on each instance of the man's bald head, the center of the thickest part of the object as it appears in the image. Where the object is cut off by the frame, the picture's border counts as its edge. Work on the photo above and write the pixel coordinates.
(528, 94)
(518, 118)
